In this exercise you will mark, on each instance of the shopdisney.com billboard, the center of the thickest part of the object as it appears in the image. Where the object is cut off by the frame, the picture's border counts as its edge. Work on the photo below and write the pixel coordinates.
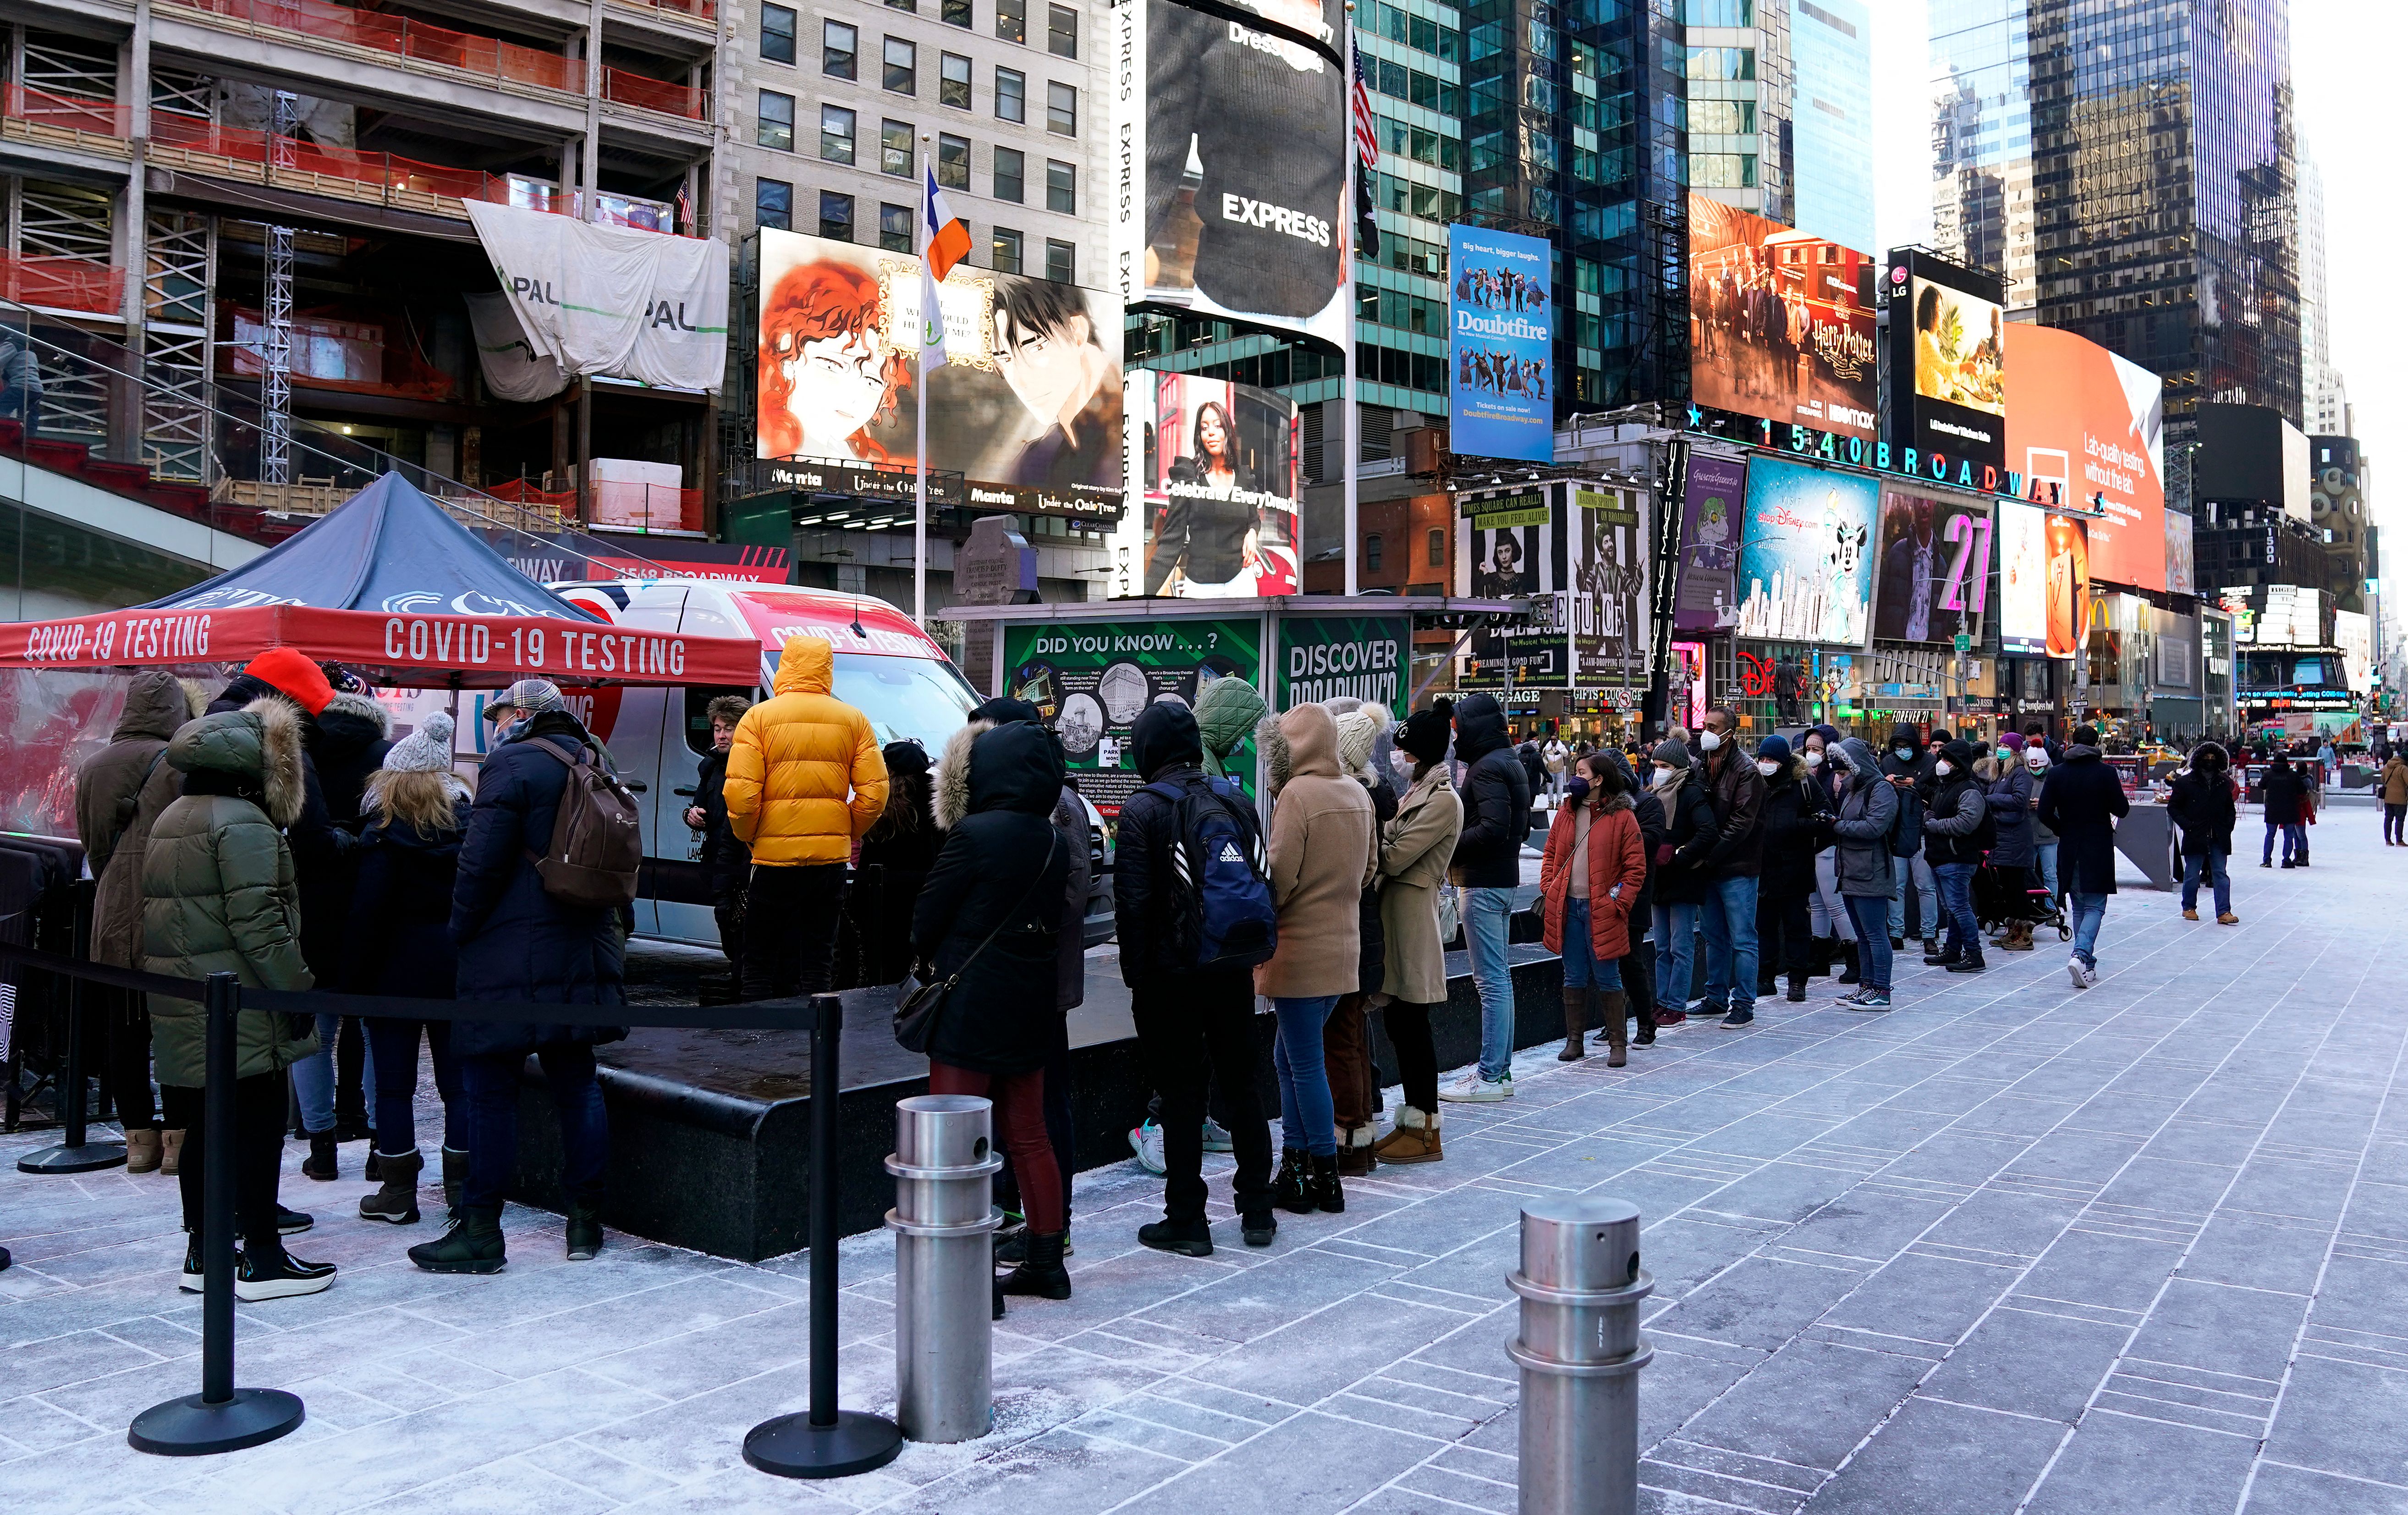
(1502, 354)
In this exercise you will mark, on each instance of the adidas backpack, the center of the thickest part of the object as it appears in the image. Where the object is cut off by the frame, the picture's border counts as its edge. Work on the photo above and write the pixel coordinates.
(1222, 912)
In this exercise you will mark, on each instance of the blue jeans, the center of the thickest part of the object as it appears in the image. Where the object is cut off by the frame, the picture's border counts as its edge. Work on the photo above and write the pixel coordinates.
(313, 1078)
(2089, 913)
(1957, 897)
(1486, 915)
(393, 1074)
(490, 1084)
(1870, 914)
(2045, 859)
(1926, 887)
(1582, 967)
(2295, 840)
(1674, 931)
(1728, 918)
(1308, 1119)
(2211, 863)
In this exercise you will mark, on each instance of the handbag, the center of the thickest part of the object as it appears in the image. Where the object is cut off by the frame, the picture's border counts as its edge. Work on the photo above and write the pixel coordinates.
(1450, 913)
(918, 997)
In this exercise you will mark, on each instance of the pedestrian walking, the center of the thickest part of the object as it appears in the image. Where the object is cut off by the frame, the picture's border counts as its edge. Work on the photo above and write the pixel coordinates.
(988, 922)
(1346, 1036)
(726, 861)
(1680, 879)
(1909, 767)
(1194, 1026)
(2013, 853)
(220, 894)
(1727, 914)
(398, 943)
(120, 792)
(1956, 835)
(1558, 759)
(2080, 802)
(2285, 793)
(517, 943)
(1416, 850)
(2204, 805)
(1831, 933)
(804, 783)
(1796, 827)
(1486, 871)
(1590, 877)
(1534, 768)
(1868, 814)
(1322, 858)
(2395, 800)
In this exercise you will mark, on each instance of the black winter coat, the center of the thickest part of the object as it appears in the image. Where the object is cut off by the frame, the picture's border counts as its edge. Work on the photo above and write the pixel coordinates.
(1495, 798)
(398, 940)
(1954, 830)
(726, 861)
(1796, 825)
(1372, 963)
(1534, 767)
(2079, 802)
(1689, 828)
(350, 747)
(2201, 804)
(515, 942)
(1003, 865)
(2284, 790)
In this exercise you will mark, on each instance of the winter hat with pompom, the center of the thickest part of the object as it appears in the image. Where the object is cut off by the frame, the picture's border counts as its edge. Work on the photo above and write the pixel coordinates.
(426, 750)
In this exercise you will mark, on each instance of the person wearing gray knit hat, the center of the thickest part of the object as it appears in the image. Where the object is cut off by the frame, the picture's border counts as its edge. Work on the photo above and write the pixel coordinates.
(426, 750)
(1672, 752)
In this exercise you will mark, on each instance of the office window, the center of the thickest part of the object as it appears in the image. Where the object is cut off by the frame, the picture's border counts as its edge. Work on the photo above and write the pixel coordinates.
(1722, 63)
(954, 81)
(774, 126)
(894, 227)
(1722, 170)
(902, 74)
(1437, 550)
(1718, 13)
(952, 161)
(773, 204)
(1011, 94)
(777, 33)
(913, 5)
(1061, 262)
(1011, 171)
(839, 46)
(1372, 548)
(894, 151)
(1007, 250)
(836, 216)
(835, 133)
(1062, 109)
(957, 13)
(1062, 30)
(1061, 187)
(1012, 19)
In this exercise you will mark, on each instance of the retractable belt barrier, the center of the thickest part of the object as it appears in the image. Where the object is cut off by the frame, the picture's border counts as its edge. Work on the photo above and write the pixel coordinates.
(825, 1442)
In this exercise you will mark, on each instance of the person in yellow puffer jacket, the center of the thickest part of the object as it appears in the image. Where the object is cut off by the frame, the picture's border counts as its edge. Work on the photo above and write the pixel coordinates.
(804, 781)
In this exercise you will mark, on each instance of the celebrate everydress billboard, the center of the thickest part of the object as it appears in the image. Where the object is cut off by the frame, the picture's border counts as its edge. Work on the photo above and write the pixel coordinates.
(1805, 561)
(1502, 357)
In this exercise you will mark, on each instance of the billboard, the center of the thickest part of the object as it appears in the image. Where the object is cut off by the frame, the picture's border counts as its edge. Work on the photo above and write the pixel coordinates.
(2354, 634)
(1215, 466)
(1805, 561)
(1607, 607)
(2067, 543)
(2182, 575)
(1320, 657)
(1026, 408)
(1705, 596)
(1508, 545)
(1242, 147)
(1935, 567)
(1777, 325)
(1948, 358)
(2091, 424)
(2043, 582)
(1091, 680)
(1503, 350)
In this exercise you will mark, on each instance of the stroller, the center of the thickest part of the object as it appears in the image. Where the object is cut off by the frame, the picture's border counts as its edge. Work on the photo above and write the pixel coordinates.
(2003, 896)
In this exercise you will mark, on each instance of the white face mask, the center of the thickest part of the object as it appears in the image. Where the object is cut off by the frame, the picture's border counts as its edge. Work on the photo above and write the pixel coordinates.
(1944, 768)
(1667, 777)
(1709, 741)
(1814, 757)
(1767, 767)
(1402, 761)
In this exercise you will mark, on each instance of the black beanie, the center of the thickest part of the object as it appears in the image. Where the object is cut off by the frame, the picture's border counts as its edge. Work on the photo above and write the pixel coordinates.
(1426, 732)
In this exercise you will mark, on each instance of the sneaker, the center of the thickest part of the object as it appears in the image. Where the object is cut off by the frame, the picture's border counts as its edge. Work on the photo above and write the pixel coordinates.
(1740, 1015)
(1855, 996)
(2090, 974)
(1967, 965)
(191, 1282)
(292, 1222)
(1872, 1000)
(2227, 918)
(1217, 1137)
(1473, 1090)
(1146, 1142)
(259, 1277)
(1189, 1238)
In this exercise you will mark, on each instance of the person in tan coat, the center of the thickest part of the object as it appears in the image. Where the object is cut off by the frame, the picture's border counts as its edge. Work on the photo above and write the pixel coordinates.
(1591, 875)
(1322, 858)
(1415, 850)
(2395, 801)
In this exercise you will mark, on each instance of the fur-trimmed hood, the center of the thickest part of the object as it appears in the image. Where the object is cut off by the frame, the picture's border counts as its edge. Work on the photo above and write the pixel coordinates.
(1301, 744)
(1014, 765)
(258, 747)
(950, 785)
(356, 716)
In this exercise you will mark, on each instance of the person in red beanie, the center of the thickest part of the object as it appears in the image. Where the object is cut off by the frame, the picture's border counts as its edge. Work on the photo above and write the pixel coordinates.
(292, 674)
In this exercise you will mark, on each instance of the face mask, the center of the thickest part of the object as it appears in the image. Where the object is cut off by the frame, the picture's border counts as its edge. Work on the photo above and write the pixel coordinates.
(1944, 768)
(1905, 754)
(1709, 741)
(1814, 757)
(1577, 788)
(1767, 767)
(1667, 777)
(1402, 761)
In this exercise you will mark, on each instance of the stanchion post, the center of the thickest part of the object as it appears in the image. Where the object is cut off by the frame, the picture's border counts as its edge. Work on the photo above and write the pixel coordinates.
(221, 1418)
(1580, 1352)
(944, 1220)
(76, 1154)
(826, 1441)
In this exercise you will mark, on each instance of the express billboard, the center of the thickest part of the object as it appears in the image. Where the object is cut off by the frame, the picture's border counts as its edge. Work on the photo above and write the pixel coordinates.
(1948, 358)
(1026, 408)
(1778, 326)
(2043, 582)
(1805, 567)
(1502, 348)
(1217, 477)
(1935, 567)
(1233, 172)
(2091, 424)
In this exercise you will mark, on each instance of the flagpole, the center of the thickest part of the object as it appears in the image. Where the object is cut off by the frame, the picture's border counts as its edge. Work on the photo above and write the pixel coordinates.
(920, 431)
(1352, 419)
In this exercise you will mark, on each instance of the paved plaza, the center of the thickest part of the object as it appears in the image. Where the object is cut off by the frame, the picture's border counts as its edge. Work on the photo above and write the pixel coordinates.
(2009, 1246)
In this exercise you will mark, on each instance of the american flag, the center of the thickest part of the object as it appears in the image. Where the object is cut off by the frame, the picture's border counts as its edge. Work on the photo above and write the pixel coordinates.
(1367, 136)
(1366, 159)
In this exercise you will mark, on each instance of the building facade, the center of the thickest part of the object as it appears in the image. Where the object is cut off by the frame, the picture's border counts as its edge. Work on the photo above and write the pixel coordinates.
(1982, 143)
(1832, 135)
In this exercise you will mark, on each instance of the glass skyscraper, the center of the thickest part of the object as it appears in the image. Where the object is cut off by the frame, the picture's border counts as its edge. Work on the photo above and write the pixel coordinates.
(1981, 140)
(1832, 133)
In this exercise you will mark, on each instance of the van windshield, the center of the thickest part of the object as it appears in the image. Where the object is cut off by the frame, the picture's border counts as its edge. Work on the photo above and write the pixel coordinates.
(918, 697)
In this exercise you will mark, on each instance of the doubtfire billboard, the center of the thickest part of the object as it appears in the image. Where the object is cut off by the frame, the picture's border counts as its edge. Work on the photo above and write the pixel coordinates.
(2090, 423)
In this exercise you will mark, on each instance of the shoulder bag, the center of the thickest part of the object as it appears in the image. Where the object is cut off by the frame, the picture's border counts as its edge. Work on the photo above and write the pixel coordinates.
(918, 999)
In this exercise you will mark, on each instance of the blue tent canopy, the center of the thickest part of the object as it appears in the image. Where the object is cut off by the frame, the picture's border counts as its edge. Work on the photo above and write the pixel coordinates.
(387, 549)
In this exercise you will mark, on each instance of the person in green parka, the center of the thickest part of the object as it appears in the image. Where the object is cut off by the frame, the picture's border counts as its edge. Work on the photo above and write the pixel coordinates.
(218, 896)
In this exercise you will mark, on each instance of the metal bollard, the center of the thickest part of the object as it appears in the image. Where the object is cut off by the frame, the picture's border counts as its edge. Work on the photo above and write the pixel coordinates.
(1580, 1352)
(944, 1218)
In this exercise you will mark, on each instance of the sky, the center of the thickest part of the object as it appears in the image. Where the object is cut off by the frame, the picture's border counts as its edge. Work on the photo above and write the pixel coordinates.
(2341, 88)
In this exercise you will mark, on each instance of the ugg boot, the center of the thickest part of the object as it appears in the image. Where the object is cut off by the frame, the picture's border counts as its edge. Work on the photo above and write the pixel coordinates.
(473, 1245)
(455, 1173)
(141, 1150)
(171, 1152)
(1575, 1025)
(1322, 1184)
(320, 1163)
(1042, 1272)
(1354, 1156)
(1616, 1010)
(1415, 1138)
(1853, 971)
(1291, 1188)
(397, 1201)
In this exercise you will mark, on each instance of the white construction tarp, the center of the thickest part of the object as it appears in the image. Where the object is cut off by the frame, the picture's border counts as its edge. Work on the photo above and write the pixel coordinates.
(611, 300)
(513, 369)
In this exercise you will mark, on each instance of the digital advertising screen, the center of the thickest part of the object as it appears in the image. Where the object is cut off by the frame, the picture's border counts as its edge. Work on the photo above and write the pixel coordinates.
(1777, 325)
(2092, 424)
(1805, 556)
(1218, 481)
(2023, 579)
(1233, 173)
(1948, 358)
(1935, 567)
(1706, 597)
(1501, 354)
(2065, 542)
(1607, 605)
(1026, 409)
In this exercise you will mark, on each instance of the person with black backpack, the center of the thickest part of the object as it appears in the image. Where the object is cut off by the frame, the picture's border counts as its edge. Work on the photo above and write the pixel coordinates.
(1956, 834)
(1192, 913)
(1797, 826)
